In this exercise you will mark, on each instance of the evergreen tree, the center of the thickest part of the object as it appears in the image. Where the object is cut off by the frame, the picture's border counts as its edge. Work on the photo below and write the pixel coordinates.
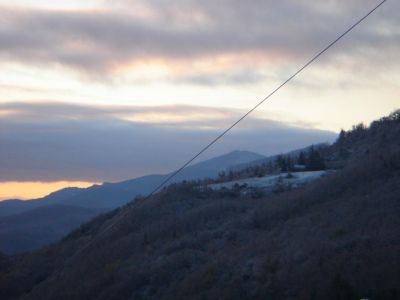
(315, 161)
(289, 164)
(279, 162)
(301, 160)
(342, 137)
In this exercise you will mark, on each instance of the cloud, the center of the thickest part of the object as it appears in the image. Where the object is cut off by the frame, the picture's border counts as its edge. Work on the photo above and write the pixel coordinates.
(181, 34)
(60, 141)
(184, 116)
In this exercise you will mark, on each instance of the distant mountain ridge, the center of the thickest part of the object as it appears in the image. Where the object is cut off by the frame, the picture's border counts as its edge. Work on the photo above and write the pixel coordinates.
(17, 235)
(16, 206)
(112, 195)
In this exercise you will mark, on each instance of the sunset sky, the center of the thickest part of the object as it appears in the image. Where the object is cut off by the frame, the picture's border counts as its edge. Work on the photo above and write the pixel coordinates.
(101, 90)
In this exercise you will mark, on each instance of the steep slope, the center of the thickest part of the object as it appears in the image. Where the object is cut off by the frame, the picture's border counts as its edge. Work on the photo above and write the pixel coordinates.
(40, 226)
(338, 238)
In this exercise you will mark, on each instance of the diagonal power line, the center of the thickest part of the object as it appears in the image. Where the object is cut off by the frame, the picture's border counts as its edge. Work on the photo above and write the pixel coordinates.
(171, 176)
(265, 99)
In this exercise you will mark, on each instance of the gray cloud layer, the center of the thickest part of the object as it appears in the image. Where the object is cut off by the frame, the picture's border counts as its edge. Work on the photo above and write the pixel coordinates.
(50, 142)
(95, 42)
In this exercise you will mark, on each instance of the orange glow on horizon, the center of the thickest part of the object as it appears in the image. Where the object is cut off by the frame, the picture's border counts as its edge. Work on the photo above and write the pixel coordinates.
(32, 190)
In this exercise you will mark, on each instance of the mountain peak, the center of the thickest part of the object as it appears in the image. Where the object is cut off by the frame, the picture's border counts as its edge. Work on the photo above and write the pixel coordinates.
(242, 155)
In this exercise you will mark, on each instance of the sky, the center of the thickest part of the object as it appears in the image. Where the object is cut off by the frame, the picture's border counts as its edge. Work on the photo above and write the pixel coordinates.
(100, 90)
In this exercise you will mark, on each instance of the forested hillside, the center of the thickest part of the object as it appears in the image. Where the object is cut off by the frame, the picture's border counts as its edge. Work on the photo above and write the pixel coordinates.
(336, 238)
(30, 225)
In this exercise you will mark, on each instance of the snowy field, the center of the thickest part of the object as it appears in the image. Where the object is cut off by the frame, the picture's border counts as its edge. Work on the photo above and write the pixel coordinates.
(270, 181)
